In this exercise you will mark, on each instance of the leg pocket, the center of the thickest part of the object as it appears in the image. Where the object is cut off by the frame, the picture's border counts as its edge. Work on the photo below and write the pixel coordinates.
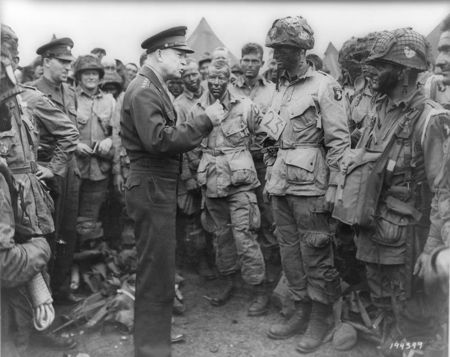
(161, 190)
(318, 239)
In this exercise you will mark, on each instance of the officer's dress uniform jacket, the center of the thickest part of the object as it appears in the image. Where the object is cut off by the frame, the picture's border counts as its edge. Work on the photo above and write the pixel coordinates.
(154, 145)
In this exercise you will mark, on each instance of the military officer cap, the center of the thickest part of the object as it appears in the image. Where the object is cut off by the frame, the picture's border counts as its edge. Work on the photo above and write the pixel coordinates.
(58, 48)
(174, 37)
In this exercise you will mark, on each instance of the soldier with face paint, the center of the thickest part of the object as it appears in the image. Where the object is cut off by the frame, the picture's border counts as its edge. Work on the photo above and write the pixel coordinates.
(228, 177)
(302, 182)
(406, 135)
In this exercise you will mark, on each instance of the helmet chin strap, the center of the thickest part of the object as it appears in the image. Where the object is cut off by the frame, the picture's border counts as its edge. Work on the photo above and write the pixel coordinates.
(10, 73)
(8, 83)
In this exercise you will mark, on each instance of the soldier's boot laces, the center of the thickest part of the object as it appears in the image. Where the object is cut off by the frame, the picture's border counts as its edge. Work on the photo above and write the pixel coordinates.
(226, 293)
(296, 324)
(318, 327)
(260, 304)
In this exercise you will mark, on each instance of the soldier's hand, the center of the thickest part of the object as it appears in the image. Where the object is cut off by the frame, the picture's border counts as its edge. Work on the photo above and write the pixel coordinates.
(83, 149)
(215, 112)
(119, 183)
(44, 173)
(104, 146)
(419, 267)
(330, 197)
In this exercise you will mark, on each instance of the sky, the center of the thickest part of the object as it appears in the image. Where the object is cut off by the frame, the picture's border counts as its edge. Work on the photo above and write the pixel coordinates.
(121, 26)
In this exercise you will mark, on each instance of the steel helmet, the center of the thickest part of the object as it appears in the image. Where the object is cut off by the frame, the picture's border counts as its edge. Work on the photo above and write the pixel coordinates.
(292, 32)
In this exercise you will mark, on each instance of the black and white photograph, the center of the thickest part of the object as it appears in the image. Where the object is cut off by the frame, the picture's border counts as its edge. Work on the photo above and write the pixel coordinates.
(224, 178)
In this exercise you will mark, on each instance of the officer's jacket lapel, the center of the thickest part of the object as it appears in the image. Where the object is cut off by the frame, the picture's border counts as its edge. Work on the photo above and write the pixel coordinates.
(168, 106)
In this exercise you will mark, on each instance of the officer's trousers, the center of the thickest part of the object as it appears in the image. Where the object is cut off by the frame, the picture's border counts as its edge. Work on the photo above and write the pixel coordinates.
(66, 213)
(237, 218)
(151, 200)
(305, 234)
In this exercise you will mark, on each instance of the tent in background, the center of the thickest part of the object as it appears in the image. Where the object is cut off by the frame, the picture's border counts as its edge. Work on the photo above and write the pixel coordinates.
(330, 61)
(433, 39)
(203, 39)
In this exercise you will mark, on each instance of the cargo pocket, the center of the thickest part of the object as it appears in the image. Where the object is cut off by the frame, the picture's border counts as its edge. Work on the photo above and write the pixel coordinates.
(242, 169)
(300, 166)
(132, 182)
(202, 172)
(255, 214)
(318, 239)
(303, 114)
(8, 140)
(391, 228)
(82, 119)
(235, 131)
(161, 189)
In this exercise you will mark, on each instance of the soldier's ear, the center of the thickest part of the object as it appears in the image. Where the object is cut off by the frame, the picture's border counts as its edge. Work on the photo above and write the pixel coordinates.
(159, 55)
(46, 62)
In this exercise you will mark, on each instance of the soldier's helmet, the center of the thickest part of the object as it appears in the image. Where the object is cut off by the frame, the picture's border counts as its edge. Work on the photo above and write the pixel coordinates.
(9, 40)
(87, 62)
(346, 54)
(8, 58)
(292, 32)
(404, 46)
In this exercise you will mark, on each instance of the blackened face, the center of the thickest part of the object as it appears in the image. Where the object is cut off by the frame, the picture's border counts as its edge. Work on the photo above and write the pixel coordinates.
(385, 78)
(287, 57)
(175, 86)
(218, 81)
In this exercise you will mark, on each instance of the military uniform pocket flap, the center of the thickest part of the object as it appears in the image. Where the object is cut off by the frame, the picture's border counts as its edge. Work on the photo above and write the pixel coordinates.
(318, 239)
(305, 159)
(233, 127)
(300, 106)
(133, 181)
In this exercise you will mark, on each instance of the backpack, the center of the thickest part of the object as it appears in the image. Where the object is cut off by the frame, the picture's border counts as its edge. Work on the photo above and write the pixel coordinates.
(359, 190)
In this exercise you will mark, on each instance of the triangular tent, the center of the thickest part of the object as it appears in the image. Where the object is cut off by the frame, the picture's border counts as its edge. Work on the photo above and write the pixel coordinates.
(433, 39)
(330, 61)
(203, 39)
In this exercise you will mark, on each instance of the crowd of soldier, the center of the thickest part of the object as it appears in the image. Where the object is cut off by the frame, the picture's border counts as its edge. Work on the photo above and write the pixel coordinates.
(275, 178)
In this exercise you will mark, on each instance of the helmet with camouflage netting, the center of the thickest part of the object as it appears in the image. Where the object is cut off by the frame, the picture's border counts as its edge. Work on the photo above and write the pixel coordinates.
(292, 32)
(404, 46)
(87, 62)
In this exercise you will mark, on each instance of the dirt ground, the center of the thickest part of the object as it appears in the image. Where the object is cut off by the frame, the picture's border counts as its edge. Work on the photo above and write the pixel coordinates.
(224, 331)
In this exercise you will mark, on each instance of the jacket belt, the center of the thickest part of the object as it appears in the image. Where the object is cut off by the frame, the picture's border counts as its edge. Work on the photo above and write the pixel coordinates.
(299, 145)
(223, 151)
(156, 165)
